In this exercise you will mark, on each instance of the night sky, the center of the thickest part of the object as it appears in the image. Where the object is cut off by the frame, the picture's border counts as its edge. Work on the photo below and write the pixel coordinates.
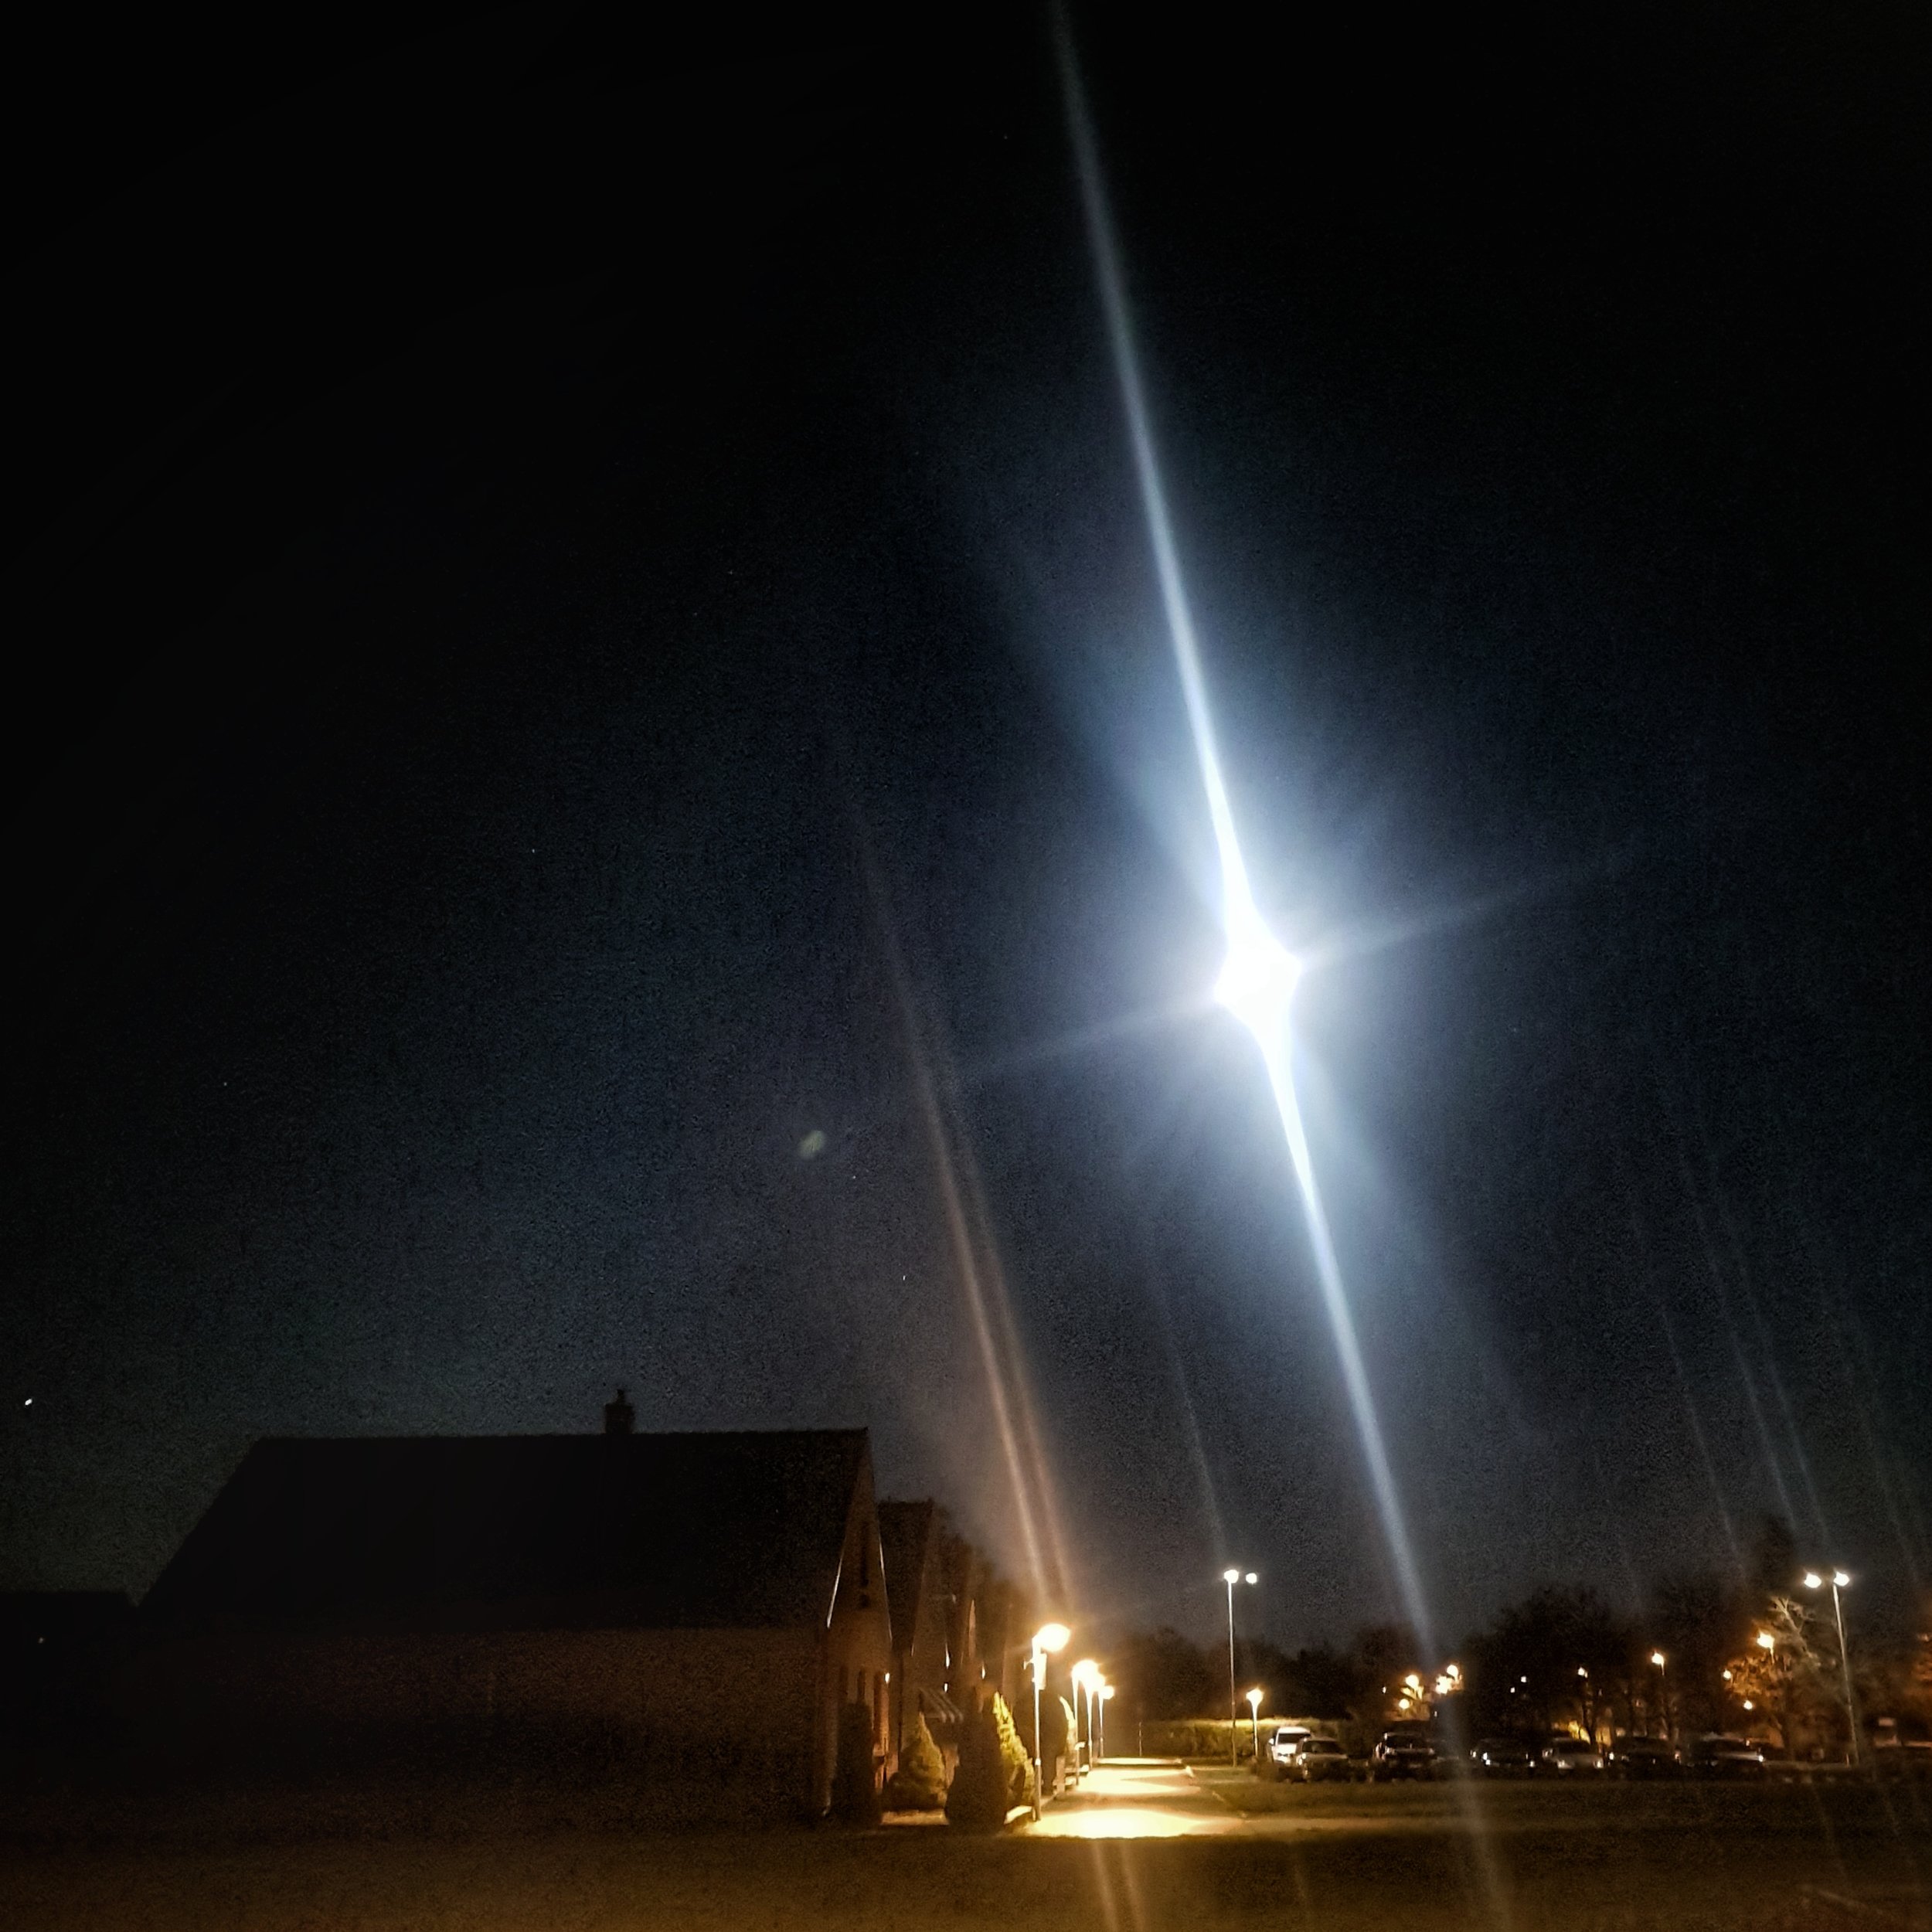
(583, 634)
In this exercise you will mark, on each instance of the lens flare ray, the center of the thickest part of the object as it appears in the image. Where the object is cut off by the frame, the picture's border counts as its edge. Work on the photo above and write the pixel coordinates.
(1258, 982)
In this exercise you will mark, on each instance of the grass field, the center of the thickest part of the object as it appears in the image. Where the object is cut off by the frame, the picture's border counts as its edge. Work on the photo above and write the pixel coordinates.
(1714, 1858)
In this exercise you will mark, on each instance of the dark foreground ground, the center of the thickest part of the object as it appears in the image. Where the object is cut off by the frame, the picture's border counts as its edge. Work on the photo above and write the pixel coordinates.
(1620, 1857)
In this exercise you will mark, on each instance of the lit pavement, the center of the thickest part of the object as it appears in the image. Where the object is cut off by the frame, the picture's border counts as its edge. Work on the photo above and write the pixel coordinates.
(1139, 1798)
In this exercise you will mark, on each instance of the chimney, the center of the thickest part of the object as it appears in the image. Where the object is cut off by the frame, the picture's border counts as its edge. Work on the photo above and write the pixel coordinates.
(620, 1419)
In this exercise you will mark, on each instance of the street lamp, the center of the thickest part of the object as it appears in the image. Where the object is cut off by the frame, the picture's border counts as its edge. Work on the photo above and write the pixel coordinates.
(1231, 1577)
(1841, 1581)
(1663, 1684)
(1048, 1636)
(1254, 1722)
(1106, 1694)
(1086, 1674)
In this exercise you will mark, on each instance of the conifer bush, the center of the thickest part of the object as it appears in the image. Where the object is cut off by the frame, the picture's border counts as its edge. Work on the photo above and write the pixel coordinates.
(1019, 1767)
(854, 1792)
(977, 1799)
(920, 1783)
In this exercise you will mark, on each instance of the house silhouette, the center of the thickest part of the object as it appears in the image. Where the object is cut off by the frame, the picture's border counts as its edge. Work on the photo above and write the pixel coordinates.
(694, 1607)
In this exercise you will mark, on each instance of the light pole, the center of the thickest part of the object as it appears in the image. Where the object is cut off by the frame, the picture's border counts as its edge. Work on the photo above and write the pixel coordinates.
(1086, 1673)
(1231, 1577)
(1106, 1692)
(1254, 1722)
(1841, 1581)
(1048, 1636)
(1657, 1657)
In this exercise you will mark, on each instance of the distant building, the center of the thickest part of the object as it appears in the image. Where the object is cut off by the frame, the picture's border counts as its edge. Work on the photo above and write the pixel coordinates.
(912, 1536)
(694, 1607)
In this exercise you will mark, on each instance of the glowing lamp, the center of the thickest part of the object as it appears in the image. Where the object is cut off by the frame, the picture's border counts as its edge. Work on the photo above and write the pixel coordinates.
(1051, 1637)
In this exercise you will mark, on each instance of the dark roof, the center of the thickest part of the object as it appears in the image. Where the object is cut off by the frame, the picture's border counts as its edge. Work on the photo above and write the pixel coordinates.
(652, 1532)
(905, 1529)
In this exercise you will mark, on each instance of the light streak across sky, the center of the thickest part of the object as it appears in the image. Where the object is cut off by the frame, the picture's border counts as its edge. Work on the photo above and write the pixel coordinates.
(1258, 980)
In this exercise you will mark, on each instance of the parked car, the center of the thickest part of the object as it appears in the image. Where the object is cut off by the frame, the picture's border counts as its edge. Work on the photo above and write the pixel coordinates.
(1502, 1757)
(1910, 1757)
(1717, 1754)
(1639, 1757)
(1401, 1754)
(1566, 1754)
(1284, 1742)
(1319, 1759)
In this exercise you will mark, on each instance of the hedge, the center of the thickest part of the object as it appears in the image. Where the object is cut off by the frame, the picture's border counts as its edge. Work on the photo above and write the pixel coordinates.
(1204, 1737)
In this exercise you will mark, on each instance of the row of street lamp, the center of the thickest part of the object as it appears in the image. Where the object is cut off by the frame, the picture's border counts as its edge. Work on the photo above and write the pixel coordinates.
(1451, 1680)
(1090, 1684)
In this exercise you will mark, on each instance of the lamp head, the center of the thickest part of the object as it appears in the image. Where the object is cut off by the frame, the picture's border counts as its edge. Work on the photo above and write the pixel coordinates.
(1813, 1580)
(1230, 1575)
(1766, 1641)
(1051, 1637)
(1254, 1700)
(1843, 1580)
(1250, 1578)
(1086, 1673)
(1657, 1657)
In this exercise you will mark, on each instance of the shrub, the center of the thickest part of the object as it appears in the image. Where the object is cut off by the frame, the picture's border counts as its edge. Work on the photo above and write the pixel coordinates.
(855, 1789)
(1019, 1767)
(977, 1799)
(920, 1783)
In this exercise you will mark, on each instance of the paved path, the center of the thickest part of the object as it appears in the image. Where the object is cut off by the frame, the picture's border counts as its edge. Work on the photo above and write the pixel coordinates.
(1138, 1798)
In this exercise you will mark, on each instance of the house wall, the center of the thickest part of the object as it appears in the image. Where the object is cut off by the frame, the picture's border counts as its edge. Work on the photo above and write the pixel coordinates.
(736, 1708)
(858, 1654)
(924, 1664)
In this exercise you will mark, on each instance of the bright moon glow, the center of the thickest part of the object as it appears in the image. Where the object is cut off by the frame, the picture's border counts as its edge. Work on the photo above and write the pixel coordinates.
(1258, 982)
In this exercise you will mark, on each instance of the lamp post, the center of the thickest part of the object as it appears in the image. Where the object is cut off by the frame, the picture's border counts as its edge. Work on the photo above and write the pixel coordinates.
(1048, 1636)
(1086, 1674)
(1841, 1581)
(1254, 1722)
(1231, 1577)
(1657, 1657)
(1106, 1692)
